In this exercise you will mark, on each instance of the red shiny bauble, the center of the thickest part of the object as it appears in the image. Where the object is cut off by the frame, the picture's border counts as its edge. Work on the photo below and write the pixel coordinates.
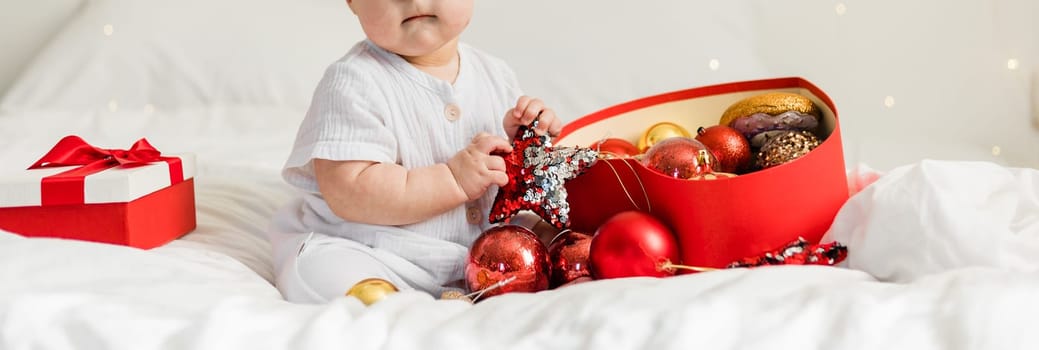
(503, 252)
(633, 243)
(568, 254)
(679, 157)
(730, 148)
(616, 148)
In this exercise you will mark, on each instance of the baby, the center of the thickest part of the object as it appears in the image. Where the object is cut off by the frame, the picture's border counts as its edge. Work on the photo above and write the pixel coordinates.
(395, 156)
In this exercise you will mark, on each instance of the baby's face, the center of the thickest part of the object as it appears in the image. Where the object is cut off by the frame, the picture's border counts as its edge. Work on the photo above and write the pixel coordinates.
(412, 27)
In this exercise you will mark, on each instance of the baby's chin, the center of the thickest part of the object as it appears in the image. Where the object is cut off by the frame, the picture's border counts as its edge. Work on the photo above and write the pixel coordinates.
(418, 50)
(417, 43)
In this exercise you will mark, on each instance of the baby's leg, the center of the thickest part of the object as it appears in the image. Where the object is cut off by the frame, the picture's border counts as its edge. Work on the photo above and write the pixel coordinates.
(325, 267)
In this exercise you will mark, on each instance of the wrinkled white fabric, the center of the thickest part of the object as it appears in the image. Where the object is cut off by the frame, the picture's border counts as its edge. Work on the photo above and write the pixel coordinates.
(937, 216)
(119, 298)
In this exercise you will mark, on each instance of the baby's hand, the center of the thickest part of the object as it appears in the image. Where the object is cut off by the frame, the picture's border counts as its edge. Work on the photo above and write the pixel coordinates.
(526, 110)
(475, 168)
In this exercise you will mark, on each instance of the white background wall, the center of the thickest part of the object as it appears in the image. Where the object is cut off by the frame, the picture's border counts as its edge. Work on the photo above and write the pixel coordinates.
(912, 79)
(25, 25)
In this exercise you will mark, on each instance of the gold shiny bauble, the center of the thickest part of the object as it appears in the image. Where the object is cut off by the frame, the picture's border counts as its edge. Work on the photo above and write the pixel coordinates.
(772, 103)
(658, 132)
(371, 290)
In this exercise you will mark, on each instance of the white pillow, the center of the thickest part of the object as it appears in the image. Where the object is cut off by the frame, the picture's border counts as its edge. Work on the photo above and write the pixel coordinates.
(145, 54)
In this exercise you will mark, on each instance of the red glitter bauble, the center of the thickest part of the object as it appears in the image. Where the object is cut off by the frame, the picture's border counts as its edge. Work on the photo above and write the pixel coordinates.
(679, 157)
(504, 252)
(568, 254)
(630, 244)
(730, 148)
(615, 148)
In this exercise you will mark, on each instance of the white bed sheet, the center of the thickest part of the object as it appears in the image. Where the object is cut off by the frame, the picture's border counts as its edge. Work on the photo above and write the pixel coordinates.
(210, 290)
(180, 299)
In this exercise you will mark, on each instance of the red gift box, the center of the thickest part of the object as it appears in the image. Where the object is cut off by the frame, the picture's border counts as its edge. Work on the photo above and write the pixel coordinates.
(135, 197)
(717, 221)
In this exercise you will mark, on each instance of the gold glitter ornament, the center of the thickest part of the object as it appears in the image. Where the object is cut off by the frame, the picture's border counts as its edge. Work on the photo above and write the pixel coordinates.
(371, 290)
(773, 103)
(659, 132)
(455, 295)
(713, 176)
(786, 147)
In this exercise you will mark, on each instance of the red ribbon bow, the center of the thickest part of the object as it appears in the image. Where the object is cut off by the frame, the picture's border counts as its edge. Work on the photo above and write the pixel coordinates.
(68, 187)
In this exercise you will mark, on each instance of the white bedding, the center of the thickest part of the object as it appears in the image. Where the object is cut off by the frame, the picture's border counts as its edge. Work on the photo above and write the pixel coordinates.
(172, 299)
(209, 290)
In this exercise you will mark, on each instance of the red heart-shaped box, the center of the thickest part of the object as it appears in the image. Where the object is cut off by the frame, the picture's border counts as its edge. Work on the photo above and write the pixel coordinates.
(716, 221)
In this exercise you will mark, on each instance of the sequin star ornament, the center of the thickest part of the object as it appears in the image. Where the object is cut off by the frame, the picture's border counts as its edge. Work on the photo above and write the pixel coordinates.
(537, 172)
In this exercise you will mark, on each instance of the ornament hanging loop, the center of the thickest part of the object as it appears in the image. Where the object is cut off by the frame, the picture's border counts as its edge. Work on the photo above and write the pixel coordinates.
(475, 296)
(668, 266)
(649, 205)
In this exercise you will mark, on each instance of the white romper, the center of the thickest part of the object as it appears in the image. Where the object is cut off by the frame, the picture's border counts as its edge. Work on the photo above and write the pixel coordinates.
(372, 105)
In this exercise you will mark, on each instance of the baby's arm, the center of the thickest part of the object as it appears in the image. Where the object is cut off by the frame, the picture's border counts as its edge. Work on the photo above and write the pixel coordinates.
(389, 194)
